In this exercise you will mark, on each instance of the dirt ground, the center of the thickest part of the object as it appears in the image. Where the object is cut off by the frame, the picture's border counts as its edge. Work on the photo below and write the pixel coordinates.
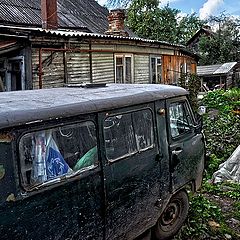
(231, 215)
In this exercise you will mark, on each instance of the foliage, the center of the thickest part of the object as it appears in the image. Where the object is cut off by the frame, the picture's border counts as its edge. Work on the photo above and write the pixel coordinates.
(237, 207)
(148, 20)
(202, 212)
(212, 165)
(188, 26)
(225, 189)
(192, 83)
(221, 124)
(142, 18)
(223, 45)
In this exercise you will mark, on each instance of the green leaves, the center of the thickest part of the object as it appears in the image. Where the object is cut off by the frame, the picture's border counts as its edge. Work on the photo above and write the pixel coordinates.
(223, 45)
(221, 124)
(147, 20)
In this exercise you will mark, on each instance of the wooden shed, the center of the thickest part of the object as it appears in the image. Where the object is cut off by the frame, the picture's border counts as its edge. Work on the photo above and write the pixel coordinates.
(221, 76)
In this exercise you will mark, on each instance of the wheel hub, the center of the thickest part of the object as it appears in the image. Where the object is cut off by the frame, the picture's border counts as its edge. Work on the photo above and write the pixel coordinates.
(170, 214)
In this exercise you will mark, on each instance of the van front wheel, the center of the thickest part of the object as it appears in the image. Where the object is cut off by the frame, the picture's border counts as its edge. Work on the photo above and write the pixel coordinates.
(173, 216)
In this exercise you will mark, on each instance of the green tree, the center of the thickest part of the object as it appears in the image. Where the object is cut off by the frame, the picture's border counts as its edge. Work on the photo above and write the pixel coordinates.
(142, 18)
(224, 44)
(148, 20)
(188, 26)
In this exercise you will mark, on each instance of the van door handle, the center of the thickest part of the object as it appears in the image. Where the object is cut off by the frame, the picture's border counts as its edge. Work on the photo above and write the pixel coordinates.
(175, 159)
(177, 151)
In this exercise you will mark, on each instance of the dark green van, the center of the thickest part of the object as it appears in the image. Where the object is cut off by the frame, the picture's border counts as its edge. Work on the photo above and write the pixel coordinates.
(104, 162)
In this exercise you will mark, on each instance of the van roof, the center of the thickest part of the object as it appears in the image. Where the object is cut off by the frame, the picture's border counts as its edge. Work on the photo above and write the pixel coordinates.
(27, 106)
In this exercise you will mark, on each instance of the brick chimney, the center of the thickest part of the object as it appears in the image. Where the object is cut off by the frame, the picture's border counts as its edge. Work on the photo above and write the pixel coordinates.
(116, 23)
(49, 14)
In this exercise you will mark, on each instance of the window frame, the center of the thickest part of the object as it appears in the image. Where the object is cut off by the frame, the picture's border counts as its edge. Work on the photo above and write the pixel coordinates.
(124, 56)
(138, 150)
(188, 114)
(60, 179)
(157, 66)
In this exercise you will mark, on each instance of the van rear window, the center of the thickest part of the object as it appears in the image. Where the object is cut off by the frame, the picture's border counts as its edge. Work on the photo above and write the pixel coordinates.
(51, 154)
(128, 133)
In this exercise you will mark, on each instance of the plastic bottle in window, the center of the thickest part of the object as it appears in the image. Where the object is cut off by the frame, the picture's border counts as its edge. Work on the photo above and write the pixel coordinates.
(40, 158)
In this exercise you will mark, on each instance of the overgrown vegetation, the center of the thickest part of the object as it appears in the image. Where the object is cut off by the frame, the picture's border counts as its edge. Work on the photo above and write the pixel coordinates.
(216, 208)
(192, 83)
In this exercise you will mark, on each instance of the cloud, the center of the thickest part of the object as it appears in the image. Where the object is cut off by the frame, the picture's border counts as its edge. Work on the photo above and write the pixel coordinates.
(165, 2)
(102, 2)
(209, 8)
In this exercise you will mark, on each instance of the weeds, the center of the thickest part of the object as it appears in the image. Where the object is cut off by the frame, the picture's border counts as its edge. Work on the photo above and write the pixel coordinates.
(206, 219)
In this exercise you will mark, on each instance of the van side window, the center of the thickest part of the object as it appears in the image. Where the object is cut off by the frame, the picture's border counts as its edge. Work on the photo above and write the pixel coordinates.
(128, 133)
(179, 119)
(49, 154)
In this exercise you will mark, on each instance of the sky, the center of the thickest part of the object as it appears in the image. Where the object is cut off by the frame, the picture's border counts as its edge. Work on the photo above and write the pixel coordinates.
(203, 8)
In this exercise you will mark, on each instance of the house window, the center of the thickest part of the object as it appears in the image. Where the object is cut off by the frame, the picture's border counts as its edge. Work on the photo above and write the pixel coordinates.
(185, 70)
(123, 69)
(127, 134)
(155, 69)
(49, 156)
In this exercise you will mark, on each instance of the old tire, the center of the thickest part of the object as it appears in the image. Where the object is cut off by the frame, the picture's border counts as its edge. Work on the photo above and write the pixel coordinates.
(173, 216)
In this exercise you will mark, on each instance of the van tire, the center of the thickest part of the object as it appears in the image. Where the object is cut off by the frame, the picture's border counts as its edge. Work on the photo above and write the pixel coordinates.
(173, 217)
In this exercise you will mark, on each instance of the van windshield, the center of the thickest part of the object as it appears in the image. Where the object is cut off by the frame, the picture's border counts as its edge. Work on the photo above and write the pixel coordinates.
(49, 154)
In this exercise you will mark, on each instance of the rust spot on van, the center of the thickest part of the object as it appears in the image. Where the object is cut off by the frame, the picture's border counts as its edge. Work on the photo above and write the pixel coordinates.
(6, 137)
(2, 171)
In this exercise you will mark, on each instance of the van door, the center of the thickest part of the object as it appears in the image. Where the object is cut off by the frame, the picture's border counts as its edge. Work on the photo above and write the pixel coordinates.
(186, 146)
(131, 171)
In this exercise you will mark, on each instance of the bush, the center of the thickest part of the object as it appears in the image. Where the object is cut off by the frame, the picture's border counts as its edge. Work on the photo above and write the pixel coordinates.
(220, 123)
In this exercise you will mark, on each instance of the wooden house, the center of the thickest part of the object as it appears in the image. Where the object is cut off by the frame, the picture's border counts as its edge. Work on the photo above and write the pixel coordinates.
(44, 43)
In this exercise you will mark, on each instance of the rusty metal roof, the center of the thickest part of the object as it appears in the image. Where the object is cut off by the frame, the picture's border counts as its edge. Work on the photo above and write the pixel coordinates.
(218, 69)
(25, 31)
(85, 15)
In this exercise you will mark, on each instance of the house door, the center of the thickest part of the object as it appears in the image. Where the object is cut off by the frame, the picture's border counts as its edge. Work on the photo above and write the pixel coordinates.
(15, 74)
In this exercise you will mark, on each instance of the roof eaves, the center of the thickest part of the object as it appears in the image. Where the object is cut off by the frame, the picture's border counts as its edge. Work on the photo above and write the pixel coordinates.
(75, 33)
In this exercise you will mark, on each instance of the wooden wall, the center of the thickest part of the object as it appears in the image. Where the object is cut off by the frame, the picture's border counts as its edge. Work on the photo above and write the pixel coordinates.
(59, 67)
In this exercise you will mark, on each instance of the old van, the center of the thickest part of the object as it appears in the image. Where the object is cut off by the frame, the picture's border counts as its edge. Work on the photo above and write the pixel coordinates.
(104, 162)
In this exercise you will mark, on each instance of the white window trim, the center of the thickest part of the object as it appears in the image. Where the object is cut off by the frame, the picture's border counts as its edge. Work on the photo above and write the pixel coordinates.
(124, 66)
(156, 57)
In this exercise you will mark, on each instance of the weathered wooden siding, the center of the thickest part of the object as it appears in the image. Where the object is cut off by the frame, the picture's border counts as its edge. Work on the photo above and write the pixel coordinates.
(171, 67)
(52, 70)
(98, 67)
(141, 68)
(143, 49)
(103, 64)
(78, 67)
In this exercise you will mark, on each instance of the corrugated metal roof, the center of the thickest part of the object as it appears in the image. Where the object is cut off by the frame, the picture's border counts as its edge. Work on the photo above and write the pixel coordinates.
(79, 14)
(207, 70)
(74, 33)
(225, 68)
(217, 69)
